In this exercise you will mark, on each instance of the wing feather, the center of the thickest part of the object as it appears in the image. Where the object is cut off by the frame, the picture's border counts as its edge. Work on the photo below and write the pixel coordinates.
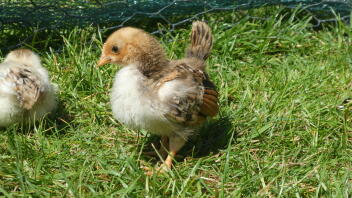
(191, 107)
(26, 85)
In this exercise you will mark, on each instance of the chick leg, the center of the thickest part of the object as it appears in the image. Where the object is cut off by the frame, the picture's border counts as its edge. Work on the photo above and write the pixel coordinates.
(175, 144)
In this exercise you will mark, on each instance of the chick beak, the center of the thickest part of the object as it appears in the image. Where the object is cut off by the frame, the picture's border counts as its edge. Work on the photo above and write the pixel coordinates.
(104, 60)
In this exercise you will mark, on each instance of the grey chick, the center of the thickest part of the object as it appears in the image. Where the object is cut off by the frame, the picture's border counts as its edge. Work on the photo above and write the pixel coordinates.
(26, 93)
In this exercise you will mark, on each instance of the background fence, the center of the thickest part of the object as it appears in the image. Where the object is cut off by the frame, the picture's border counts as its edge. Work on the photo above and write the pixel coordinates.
(41, 15)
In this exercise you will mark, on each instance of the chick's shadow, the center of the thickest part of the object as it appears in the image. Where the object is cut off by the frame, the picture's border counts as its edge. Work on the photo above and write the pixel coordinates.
(59, 120)
(212, 137)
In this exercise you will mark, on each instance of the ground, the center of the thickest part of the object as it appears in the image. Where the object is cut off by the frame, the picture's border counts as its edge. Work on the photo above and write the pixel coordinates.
(278, 134)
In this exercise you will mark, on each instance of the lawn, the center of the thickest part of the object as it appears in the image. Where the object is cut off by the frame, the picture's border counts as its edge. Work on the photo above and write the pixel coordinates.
(278, 133)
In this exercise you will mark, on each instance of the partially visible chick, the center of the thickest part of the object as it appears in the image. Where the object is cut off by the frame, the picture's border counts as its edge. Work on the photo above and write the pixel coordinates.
(345, 105)
(346, 108)
(26, 93)
(170, 98)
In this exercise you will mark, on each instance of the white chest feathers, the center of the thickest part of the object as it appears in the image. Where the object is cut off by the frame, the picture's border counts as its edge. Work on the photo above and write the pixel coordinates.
(131, 106)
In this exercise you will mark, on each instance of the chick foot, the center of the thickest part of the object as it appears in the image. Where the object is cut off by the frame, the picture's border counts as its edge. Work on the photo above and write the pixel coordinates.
(175, 144)
(163, 168)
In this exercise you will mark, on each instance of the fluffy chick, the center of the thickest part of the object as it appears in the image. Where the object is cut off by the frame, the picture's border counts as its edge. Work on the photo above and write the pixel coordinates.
(26, 93)
(170, 98)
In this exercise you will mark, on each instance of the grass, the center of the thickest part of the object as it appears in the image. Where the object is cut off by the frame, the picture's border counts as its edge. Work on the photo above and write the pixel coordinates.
(278, 133)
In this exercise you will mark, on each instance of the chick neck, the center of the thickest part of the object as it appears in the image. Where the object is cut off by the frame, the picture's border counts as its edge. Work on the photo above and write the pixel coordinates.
(153, 64)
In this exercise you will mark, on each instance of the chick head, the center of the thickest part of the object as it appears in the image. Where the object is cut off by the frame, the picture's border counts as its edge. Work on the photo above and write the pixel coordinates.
(23, 56)
(130, 45)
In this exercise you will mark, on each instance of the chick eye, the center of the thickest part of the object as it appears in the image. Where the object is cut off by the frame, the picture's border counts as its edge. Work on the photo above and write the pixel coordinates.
(115, 49)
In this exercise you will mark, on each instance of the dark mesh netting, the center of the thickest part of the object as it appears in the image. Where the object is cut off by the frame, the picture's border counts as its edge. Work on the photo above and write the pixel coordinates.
(19, 19)
(62, 13)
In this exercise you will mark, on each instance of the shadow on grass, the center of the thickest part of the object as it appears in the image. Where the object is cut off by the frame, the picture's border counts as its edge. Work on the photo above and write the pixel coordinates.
(58, 121)
(212, 137)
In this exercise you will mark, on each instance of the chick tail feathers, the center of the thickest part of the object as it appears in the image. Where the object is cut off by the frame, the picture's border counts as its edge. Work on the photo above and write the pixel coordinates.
(27, 86)
(201, 41)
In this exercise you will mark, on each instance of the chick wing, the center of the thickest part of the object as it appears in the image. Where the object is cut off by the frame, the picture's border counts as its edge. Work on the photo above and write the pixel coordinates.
(190, 95)
(27, 86)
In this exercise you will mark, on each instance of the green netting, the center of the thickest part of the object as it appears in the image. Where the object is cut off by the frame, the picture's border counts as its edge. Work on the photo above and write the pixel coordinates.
(49, 14)
(21, 20)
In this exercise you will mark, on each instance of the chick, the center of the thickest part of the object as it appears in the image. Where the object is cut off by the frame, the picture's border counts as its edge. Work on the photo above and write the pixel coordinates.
(26, 93)
(169, 98)
(346, 108)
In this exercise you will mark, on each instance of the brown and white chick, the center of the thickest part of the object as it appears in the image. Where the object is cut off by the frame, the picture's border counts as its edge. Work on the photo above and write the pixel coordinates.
(26, 93)
(170, 98)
